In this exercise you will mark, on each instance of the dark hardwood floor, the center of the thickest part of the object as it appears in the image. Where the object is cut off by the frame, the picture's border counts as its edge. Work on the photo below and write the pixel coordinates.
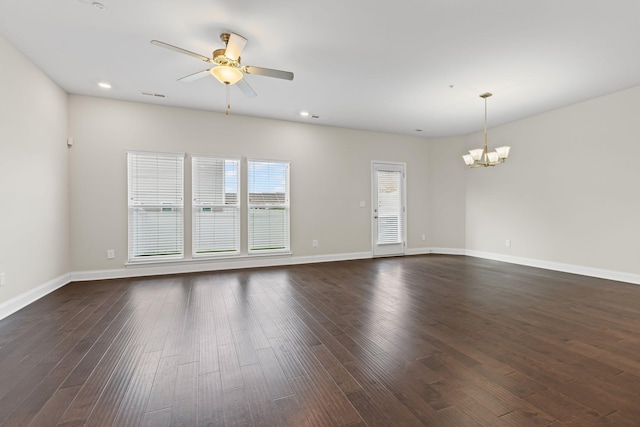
(422, 340)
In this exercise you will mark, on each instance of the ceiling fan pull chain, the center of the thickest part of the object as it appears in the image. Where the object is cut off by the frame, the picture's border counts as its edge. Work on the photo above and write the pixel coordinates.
(228, 100)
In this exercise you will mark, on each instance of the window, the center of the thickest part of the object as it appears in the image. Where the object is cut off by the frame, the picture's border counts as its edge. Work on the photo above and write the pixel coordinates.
(216, 206)
(155, 183)
(390, 212)
(268, 209)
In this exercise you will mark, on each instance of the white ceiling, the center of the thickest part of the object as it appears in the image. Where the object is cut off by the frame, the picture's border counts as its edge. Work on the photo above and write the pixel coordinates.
(383, 66)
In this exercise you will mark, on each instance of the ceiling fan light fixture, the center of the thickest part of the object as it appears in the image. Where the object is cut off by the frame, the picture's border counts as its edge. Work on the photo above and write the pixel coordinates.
(226, 75)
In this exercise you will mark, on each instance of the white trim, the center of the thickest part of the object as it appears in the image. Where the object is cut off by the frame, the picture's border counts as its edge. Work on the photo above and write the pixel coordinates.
(417, 251)
(448, 251)
(7, 308)
(557, 266)
(13, 305)
(435, 251)
(231, 264)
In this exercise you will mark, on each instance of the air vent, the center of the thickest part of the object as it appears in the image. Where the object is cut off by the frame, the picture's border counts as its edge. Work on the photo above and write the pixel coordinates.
(308, 115)
(157, 95)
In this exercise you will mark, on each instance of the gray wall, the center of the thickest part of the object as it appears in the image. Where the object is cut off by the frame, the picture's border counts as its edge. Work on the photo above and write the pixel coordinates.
(34, 185)
(570, 191)
(330, 173)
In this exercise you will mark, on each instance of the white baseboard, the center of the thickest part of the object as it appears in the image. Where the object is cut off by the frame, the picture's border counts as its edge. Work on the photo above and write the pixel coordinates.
(201, 266)
(447, 251)
(9, 307)
(557, 266)
(417, 251)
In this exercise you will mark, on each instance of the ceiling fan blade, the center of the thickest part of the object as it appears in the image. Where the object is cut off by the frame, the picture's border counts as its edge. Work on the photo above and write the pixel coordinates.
(279, 74)
(246, 89)
(180, 50)
(234, 46)
(195, 76)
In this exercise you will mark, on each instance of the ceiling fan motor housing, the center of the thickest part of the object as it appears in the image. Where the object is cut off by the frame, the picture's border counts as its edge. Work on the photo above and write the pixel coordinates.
(220, 59)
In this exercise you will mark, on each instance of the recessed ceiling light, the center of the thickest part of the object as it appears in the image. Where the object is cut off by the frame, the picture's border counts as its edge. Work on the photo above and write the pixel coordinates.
(304, 113)
(104, 85)
(99, 6)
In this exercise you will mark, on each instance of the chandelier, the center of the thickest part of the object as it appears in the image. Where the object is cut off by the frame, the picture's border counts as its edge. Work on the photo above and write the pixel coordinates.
(482, 157)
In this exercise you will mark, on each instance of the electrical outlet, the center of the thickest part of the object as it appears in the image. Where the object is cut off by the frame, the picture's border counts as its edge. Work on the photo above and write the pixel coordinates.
(424, 237)
(315, 243)
(3, 280)
(363, 204)
(507, 243)
(111, 254)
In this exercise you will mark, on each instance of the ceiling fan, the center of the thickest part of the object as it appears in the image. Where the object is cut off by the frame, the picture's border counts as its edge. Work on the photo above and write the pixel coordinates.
(227, 68)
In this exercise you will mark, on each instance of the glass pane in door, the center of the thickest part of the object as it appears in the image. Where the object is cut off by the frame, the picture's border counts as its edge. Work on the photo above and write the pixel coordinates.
(389, 207)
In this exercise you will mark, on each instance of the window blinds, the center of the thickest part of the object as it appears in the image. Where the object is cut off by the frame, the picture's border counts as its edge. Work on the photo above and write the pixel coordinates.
(216, 206)
(389, 207)
(268, 206)
(155, 190)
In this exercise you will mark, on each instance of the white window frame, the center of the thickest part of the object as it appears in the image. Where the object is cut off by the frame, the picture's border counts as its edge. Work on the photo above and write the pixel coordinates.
(285, 206)
(197, 205)
(171, 201)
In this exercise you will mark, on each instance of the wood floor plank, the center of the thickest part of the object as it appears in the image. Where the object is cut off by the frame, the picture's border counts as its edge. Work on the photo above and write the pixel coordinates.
(258, 398)
(423, 340)
(316, 412)
(135, 399)
(65, 357)
(98, 379)
(275, 378)
(185, 406)
(210, 400)
(164, 384)
(287, 361)
(338, 372)
(290, 412)
(160, 418)
(51, 412)
(229, 367)
(325, 388)
(19, 361)
(236, 408)
(107, 405)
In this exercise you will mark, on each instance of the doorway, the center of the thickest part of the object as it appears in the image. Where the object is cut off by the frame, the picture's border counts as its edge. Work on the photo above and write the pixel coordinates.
(389, 209)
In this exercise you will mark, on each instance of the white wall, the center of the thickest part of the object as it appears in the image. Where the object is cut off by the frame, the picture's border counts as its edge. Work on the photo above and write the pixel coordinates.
(570, 191)
(330, 173)
(447, 195)
(34, 191)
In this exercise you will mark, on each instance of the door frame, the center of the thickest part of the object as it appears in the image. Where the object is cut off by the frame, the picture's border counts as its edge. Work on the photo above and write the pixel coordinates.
(374, 230)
